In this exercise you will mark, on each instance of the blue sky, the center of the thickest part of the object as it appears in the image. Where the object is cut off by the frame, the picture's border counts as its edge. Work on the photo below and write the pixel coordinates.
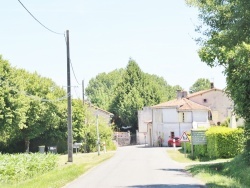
(157, 34)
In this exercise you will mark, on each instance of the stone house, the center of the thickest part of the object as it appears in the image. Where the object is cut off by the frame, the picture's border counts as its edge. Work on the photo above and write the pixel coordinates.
(172, 118)
(201, 109)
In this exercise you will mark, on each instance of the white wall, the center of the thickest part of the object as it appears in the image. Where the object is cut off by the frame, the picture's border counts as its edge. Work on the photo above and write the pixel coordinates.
(188, 116)
(172, 122)
(216, 100)
(157, 115)
(170, 115)
(144, 117)
(200, 116)
(164, 130)
(141, 138)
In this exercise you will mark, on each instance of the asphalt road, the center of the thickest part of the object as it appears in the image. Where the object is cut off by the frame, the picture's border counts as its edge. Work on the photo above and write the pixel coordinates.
(138, 166)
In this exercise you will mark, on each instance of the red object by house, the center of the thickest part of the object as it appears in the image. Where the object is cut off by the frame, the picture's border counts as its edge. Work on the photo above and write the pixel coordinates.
(177, 142)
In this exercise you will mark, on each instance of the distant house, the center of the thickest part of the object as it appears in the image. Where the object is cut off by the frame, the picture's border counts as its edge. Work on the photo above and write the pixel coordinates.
(145, 126)
(172, 118)
(219, 103)
(103, 114)
(186, 112)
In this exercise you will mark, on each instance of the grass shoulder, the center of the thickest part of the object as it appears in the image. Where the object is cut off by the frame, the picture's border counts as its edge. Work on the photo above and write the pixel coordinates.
(215, 173)
(65, 172)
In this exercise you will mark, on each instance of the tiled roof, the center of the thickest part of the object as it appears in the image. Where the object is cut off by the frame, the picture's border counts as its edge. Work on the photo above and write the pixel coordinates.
(202, 92)
(181, 104)
(97, 108)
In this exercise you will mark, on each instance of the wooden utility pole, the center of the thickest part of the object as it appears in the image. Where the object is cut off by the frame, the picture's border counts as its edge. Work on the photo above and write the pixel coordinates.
(97, 133)
(83, 93)
(83, 101)
(70, 139)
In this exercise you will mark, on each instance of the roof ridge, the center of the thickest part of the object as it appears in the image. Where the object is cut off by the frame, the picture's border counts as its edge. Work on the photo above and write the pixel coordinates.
(202, 91)
(182, 103)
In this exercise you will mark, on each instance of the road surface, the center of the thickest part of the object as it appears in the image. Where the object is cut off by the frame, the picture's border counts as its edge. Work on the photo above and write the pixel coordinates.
(137, 166)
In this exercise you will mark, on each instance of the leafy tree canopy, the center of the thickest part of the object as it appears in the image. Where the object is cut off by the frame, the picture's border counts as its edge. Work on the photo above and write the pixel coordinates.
(125, 91)
(100, 90)
(199, 85)
(226, 42)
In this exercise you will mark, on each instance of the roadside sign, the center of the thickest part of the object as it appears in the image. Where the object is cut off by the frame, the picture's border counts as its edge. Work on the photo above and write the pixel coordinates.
(184, 137)
(198, 137)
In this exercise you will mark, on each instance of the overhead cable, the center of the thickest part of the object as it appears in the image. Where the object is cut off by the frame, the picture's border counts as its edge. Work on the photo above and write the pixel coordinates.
(38, 20)
(74, 73)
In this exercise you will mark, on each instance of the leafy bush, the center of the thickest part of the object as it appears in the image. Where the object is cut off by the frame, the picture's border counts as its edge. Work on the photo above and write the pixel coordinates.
(200, 150)
(18, 167)
(223, 142)
(105, 134)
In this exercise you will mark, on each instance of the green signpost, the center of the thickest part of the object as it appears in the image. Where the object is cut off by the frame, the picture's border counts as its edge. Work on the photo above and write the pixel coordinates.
(198, 138)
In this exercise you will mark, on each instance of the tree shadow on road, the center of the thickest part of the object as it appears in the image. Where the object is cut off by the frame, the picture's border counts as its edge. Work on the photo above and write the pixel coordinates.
(171, 185)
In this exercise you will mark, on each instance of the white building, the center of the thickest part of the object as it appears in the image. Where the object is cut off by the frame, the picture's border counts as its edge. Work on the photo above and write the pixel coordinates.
(145, 126)
(220, 104)
(215, 99)
(172, 118)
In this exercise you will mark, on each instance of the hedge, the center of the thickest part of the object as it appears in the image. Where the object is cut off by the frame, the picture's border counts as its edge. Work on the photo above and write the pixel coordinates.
(222, 142)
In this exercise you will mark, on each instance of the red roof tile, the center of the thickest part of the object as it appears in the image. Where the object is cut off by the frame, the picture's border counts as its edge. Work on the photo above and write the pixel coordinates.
(202, 92)
(181, 104)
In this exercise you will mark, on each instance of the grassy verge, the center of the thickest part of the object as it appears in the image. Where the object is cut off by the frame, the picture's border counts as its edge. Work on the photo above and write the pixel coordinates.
(65, 172)
(214, 175)
(218, 173)
(179, 156)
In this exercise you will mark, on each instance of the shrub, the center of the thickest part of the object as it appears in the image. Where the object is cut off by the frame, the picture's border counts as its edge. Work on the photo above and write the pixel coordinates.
(105, 134)
(223, 142)
(18, 167)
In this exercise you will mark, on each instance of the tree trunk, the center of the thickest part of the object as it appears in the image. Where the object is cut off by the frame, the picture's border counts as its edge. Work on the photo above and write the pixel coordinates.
(27, 145)
(247, 135)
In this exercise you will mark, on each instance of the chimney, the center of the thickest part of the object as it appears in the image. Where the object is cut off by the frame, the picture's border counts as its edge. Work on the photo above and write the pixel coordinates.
(211, 85)
(179, 94)
(184, 94)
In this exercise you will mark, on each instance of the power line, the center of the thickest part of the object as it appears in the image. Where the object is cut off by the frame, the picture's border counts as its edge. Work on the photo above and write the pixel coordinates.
(45, 100)
(74, 73)
(38, 20)
(34, 97)
(76, 93)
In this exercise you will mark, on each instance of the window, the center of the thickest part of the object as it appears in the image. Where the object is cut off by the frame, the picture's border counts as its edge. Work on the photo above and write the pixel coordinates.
(183, 117)
(210, 117)
(172, 134)
(204, 100)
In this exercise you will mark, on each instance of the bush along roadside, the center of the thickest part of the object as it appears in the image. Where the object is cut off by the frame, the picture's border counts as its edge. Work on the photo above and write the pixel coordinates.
(18, 167)
(222, 142)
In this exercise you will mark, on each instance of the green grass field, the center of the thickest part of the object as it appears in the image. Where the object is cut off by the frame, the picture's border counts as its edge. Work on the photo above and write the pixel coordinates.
(233, 173)
(64, 173)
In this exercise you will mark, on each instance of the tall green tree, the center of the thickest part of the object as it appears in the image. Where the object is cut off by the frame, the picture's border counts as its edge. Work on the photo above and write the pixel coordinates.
(100, 90)
(78, 118)
(137, 90)
(128, 96)
(226, 42)
(12, 104)
(124, 91)
(29, 106)
(42, 96)
(157, 90)
(199, 85)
